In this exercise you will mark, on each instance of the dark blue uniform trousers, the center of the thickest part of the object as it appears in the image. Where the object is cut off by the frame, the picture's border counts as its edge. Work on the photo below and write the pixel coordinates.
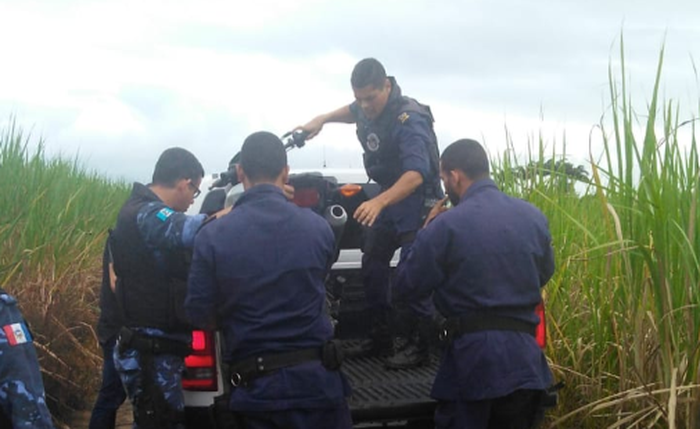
(321, 418)
(381, 241)
(519, 410)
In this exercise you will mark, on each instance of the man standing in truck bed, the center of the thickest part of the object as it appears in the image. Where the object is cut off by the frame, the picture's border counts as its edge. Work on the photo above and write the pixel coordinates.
(258, 274)
(401, 155)
(485, 260)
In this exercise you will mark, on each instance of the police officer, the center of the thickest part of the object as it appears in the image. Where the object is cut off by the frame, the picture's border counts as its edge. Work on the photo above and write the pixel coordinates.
(485, 260)
(149, 246)
(401, 155)
(111, 394)
(258, 274)
(22, 398)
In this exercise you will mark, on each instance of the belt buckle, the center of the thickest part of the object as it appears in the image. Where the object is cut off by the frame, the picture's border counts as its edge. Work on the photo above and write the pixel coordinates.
(236, 379)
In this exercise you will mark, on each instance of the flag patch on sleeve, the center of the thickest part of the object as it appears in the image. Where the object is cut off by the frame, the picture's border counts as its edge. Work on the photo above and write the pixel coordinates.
(164, 213)
(17, 333)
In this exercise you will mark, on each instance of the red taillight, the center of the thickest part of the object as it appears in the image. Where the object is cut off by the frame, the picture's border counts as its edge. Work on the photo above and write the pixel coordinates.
(541, 330)
(199, 341)
(200, 366)
(306, 197)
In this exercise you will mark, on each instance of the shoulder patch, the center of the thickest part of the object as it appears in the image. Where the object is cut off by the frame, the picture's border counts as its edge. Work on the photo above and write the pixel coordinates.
(17, 333)
(165, 213)
(7, 299)
(403, 117)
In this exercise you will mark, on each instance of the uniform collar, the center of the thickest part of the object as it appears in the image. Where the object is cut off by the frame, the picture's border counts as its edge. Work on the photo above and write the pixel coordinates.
(395, 99)
(143, 191)
(395, 94)
(260, 191)
(478, 186)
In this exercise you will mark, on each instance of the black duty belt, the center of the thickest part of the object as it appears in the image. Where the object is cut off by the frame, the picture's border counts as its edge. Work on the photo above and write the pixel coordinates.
(455, 327)
(247, 370)
(130, 339)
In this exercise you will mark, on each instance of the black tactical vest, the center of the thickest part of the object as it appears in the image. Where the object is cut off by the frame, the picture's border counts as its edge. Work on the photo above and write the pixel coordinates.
(381, 153)
(149, 295)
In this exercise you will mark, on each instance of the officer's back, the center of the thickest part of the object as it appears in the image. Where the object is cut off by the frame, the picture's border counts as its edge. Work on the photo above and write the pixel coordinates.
(499, 250)
(485, 259)
(271, 258)
(261, 269)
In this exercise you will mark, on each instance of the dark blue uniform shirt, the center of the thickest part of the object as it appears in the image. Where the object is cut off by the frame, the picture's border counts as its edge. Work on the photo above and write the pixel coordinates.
(412, 133)
(491, 252)
(413, 137)
(258, 273)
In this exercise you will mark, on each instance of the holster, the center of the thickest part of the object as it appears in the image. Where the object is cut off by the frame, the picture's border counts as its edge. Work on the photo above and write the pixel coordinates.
(151, 409)
(332, 355)
(548, 399)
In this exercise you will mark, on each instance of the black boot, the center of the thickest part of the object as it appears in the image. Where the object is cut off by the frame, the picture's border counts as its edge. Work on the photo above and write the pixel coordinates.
(416, 351)
(379, 343)
(373, 347)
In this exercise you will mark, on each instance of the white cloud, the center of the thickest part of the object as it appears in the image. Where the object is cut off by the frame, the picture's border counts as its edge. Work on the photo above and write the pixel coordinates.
(107, 116)
(124, 80)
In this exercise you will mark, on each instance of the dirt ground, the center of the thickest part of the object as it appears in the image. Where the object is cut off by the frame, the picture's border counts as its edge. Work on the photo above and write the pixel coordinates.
(82, 419)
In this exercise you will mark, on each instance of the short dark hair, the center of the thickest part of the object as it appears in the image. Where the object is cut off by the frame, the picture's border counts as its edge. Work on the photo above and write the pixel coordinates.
(466, 155)
(174, 164)
(368, 72)
(263, 156)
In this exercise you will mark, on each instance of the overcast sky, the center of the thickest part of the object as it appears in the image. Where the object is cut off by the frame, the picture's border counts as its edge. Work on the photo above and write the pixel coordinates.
(117, 82)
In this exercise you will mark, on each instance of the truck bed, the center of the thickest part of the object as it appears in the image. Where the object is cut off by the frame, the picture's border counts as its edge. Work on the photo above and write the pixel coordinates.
(380, 394)
(380, 397)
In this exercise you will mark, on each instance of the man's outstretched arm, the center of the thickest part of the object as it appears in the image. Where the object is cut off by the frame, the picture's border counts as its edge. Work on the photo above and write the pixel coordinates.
(341, 115)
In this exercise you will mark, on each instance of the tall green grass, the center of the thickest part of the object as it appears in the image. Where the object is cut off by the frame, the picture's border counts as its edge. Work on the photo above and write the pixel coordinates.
(624, 302)
(54, 216)
(53, 211)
